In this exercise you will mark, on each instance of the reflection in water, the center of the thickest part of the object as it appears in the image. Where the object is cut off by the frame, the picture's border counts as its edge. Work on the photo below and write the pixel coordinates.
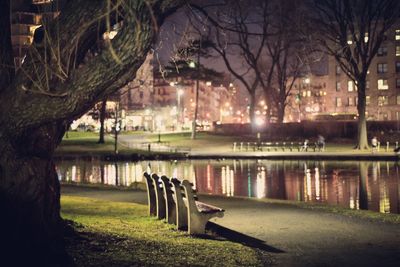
(357, 185)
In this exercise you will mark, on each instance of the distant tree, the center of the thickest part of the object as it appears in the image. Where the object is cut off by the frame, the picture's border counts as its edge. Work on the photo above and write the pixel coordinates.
(239, 33)
(54, 86)
(102, 118)
(283, 55)
(352, 32)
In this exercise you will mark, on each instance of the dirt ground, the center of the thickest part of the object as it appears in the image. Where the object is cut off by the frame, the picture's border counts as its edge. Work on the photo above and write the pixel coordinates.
(291, 236)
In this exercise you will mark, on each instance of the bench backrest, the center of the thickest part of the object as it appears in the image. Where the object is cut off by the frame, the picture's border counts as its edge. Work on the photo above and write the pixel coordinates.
(151, 195)
(160, 200)
(190, 194)
(181, 210)
(169, 200)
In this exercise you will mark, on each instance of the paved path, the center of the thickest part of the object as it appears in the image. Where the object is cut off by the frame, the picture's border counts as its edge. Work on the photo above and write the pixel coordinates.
(307, 237)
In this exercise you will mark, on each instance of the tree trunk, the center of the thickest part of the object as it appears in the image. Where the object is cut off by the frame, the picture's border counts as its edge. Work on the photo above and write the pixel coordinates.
(102, 118)
(31, 226)
(362, 120)
(252, 112)
(268, 102)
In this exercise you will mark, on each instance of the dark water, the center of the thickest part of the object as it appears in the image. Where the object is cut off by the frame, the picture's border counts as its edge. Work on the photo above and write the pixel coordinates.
(357, 185)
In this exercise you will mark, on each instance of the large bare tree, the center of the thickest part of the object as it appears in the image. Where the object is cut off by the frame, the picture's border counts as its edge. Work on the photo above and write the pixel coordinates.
(352, 31)
(283, 55)
(54, 86)
(238, 34)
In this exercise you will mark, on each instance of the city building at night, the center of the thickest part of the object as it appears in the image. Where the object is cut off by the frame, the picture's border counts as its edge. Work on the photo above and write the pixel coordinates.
(334, 93)
(24, 21)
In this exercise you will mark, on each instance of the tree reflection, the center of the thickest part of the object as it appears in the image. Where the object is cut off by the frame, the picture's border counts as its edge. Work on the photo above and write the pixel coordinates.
(363, 190)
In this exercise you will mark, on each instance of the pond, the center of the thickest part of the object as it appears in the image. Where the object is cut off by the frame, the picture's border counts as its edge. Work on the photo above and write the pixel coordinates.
(372, 185)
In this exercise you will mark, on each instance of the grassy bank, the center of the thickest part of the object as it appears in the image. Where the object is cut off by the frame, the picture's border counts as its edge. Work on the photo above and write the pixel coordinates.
(86, 142)
(121, 234)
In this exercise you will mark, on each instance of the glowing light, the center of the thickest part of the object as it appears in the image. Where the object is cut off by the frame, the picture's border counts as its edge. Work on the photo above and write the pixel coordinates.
(259, 121)
(208, 83)
(192, 64)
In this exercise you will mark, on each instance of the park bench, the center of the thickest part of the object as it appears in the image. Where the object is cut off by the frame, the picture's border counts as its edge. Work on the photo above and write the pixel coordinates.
(160, 200)
(177, 202)
(170, 205)
(267, 146)
(151, 195)
(199, 213)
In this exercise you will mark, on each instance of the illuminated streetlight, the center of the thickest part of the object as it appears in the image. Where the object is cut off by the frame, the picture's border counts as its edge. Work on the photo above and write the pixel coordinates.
(192, 64)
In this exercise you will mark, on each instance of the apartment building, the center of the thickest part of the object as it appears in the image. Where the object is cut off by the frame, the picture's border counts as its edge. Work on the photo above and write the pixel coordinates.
(335, 93)
(26, 17)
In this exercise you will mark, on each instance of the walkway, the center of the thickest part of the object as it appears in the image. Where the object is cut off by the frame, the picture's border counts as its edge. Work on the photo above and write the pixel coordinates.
(308, 238)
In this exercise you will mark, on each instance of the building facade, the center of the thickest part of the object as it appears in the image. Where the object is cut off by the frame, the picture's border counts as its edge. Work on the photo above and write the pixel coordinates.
(336, 93)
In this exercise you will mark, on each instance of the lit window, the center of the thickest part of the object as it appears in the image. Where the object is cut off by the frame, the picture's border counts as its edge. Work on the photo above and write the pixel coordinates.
(397, 35)
(338, 86)
(338, 102)
(382, 68)
(398, 100)
(350, 86)
(366, 37)
(308, 93)
(397, 51)
(338, 70)
(350, 101)
(383, 100)
(382, 51)
(367, 100)
(383, 84)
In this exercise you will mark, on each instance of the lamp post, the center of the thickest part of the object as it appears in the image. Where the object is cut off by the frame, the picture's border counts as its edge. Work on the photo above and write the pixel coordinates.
(196, 109)
(117, 127)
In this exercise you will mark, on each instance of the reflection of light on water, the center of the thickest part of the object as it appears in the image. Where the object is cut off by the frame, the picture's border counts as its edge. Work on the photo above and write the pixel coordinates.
(227, 181)
(317, 185)
(384, 202)
(260, 186)
(191, 175)
(352, 203)
(308, 184)
(148, 169)
(232, 187)
(209, 177)
(340, 185)
(109, 174)
(175, 172)
(223, 180)
(73, 173)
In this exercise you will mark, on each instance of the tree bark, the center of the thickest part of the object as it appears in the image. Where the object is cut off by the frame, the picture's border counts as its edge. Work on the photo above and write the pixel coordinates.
(102, 118)
(362, 120)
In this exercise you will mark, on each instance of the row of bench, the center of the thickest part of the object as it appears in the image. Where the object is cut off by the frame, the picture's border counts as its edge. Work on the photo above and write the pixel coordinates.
(177, 202)
(276, 146)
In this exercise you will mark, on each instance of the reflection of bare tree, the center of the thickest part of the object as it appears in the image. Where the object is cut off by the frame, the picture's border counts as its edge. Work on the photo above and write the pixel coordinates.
(363, 190)
(102, 172)
(116, 173)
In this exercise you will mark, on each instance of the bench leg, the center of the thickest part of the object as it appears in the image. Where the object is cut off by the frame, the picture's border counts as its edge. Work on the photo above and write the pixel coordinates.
(197, 222)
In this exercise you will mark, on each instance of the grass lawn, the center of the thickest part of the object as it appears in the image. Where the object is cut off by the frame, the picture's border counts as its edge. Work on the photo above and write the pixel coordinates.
(121, 234)
(86, 142)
